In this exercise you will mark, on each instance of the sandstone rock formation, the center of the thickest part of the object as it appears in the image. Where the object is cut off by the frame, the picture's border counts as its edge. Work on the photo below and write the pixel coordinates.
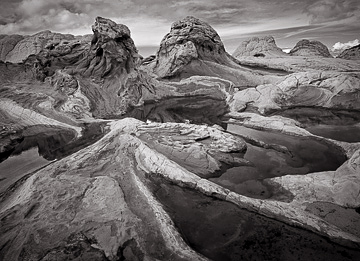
(352, 53)
(32, 45)
(103, 202)
(259, 47)
(328, 89)
(107, 209)
(310, 48)
(194, 48)
(94, 209)
(7, 43)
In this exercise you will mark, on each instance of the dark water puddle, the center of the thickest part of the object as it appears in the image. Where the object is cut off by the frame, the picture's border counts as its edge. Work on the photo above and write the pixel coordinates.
(222, 231)
(341, 125)
(39, 146)
(15, 167)
(348, 219)
(197, 109)
(301, 155)
(347, 133)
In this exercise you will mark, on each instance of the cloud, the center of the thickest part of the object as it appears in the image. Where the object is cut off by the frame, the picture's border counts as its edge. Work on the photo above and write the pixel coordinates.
(339, 47)
(149, 21)
(332, 10)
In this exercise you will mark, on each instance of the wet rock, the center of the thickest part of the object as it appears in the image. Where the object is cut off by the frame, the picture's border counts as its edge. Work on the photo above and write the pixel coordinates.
(259, 47)
(352, 53)
(310, 48)
(341, 187)
(198, 149)
(92, 208)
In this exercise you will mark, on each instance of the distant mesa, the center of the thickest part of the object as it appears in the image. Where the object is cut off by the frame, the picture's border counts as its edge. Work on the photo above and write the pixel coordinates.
(259, 47)
(310, 48)
(352, 53)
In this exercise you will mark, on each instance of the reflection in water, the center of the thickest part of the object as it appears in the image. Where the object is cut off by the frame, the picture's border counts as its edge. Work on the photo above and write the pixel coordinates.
(298, 155)
(341, 125)
(346, 133)
(222, 231)
(17, 166)
(41, 144)
(197, 109)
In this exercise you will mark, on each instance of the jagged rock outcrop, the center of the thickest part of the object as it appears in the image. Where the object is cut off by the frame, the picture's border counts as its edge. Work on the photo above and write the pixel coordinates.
(194, 48)
(259, 47)
(310, 48)
(352, 53)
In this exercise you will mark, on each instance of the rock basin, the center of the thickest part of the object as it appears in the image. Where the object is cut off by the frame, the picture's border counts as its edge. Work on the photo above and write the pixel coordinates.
(274, 154)
(222, 231)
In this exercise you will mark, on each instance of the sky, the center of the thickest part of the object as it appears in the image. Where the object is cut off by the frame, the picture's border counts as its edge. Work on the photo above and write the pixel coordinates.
(335, 23)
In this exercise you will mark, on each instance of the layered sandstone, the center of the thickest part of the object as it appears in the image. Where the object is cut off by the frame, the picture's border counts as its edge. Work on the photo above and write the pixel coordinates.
(259, 47)
(310, 48)
(192, 47)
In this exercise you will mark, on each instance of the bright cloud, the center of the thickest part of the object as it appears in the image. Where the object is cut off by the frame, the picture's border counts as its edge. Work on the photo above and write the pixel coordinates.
(342, 46)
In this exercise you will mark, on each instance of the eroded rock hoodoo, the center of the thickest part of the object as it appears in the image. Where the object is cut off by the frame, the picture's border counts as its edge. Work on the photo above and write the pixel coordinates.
(194, 48)
(310, 48)
(259, 47)
(189, 39)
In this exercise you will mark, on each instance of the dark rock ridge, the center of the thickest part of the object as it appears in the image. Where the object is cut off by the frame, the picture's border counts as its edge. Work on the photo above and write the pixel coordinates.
(193, 47)
(259, 47)
(310, 48)
(352, 53)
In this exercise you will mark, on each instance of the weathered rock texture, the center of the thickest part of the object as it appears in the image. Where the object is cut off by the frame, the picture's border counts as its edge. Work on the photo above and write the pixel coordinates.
(7, 43)
(329, 90)
(352, 53)
(259, 47)
(16, 49)
(106, 210)
(96, 203)
(194, 48)
(310, 48)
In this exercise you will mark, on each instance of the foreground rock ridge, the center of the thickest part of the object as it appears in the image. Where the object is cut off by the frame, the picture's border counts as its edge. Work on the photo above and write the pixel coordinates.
(190, 154)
